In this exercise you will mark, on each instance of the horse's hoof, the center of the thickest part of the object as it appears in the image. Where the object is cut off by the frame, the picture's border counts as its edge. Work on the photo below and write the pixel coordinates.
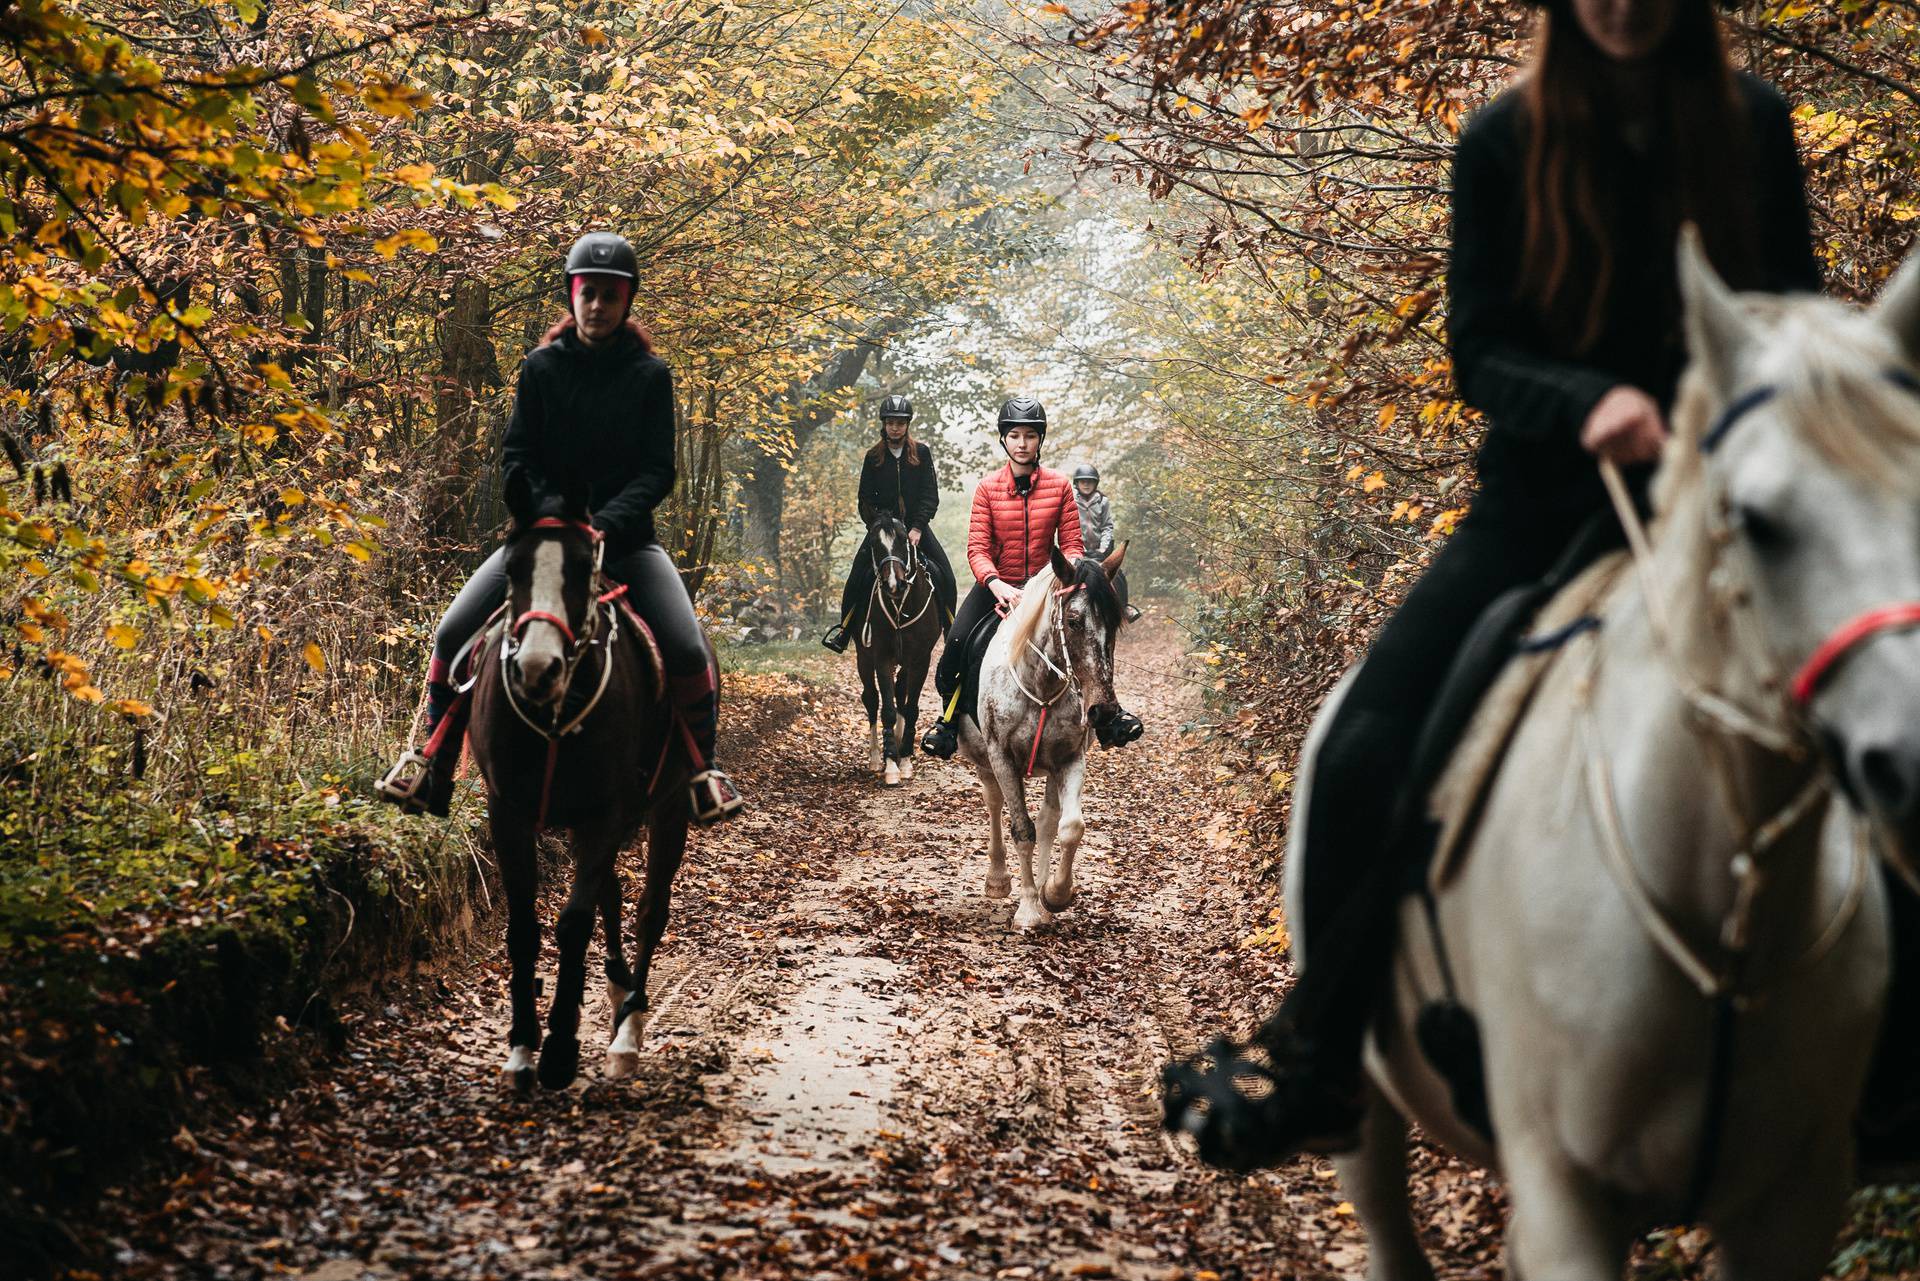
(892, 777)
(622, 1064)
(877, 763)
(906, 767)
(1057, 900)
(999, 886)
(559, 1062)
(518, 1073)
(1031, 917)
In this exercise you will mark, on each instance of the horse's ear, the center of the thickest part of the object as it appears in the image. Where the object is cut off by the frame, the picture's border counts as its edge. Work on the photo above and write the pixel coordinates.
(519, 497)
(1062, 568)
(1112, 563)
(1718, 331)
(1899, 305)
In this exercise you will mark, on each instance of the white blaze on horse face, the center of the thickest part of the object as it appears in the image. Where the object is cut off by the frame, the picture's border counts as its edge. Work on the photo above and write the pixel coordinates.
(542, 645)
(885, 538)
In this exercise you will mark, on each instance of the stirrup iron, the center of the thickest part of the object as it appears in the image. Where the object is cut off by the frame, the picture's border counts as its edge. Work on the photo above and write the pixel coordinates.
(404, 783)
(714, 796)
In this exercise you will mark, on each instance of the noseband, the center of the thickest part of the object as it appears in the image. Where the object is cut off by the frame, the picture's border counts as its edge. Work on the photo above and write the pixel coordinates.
(1856, 631)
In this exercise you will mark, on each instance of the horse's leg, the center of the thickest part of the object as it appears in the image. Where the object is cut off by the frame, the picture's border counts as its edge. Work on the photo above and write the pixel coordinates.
(1068, 825)
(1047, 827)
(870, 696)
(999, 884)
(1374, 1177)
(594, 849)
(1032, 914)
(619, 979)
(513, 845)
(1788, 1235)
(1563, 1223)
(887, 727)
(666, 844)
(913, 679)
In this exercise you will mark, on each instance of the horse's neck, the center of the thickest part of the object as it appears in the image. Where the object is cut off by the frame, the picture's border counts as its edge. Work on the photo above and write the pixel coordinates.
(1691, 793)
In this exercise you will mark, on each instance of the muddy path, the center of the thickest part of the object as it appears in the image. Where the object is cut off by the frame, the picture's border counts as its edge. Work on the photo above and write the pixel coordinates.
(855, 1066)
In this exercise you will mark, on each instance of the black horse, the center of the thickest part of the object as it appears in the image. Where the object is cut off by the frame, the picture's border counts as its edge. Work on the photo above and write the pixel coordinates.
(895, 645)
(572, 729)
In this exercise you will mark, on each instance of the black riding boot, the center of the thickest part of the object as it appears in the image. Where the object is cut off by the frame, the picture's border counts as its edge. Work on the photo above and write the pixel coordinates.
(714, 796)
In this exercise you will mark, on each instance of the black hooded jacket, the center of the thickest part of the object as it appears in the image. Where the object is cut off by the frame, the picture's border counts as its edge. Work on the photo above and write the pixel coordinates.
(1536, 397)
(907, 490)
(599, 420)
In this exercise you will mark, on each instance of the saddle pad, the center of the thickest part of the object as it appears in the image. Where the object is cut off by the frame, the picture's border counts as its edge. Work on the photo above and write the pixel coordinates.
(1455, 801)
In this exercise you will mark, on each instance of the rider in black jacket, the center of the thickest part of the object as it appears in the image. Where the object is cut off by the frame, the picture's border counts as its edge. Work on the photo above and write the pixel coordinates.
(898, 477)
(1570, 355)
(593, 414)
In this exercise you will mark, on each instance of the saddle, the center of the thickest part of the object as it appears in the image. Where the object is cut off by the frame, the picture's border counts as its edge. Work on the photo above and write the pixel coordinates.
(972, 653)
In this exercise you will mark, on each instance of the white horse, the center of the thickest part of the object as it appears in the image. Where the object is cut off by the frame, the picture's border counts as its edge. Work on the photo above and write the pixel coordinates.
(1046, 681)
(1675, 840)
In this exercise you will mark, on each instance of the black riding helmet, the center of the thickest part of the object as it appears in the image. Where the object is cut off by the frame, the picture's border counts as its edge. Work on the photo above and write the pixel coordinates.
(896, 407)
(1086, 471)
(1023, 411)
(600, 253)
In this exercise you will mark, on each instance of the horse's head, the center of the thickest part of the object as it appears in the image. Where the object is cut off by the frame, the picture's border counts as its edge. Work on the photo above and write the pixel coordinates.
(1087, 618)
(1797, 462)
(553, 553)
(896, 560)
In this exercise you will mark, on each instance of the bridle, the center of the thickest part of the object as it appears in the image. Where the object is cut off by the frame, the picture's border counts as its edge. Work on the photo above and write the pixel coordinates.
(890, 609)
(574, 647)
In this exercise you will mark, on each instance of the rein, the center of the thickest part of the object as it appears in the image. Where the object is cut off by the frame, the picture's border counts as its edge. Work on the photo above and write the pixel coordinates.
(1066, 676)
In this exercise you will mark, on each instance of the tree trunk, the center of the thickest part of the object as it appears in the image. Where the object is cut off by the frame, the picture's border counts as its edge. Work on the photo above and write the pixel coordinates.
(468, 365)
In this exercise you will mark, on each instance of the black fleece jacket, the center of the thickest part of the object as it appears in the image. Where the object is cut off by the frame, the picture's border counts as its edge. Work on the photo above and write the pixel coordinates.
(599, 420)
(1536, 396)
(909, 491)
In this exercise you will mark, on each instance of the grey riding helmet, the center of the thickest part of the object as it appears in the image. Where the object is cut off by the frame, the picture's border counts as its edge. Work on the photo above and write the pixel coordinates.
(600, 253)
(1086, 471)
(896, 407)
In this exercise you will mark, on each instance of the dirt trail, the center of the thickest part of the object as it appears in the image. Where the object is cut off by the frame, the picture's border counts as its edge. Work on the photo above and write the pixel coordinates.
(855, 1066)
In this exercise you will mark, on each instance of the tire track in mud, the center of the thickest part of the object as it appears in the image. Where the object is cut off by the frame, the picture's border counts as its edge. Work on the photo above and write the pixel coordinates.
(854, 1066)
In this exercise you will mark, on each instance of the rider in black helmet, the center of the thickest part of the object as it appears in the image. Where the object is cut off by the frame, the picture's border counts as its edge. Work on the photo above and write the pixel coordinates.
(593, 412)
(896, 477)
(1018, 513)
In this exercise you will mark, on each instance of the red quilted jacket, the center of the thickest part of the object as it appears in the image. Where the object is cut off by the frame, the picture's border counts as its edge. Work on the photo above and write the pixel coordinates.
(1011, 534)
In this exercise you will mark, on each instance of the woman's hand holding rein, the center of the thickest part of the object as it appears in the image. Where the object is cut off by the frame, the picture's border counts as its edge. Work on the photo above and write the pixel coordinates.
(1625, 427)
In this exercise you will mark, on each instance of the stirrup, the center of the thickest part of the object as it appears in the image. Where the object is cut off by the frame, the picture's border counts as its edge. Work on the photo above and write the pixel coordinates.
(715, 798)
(837, 639)
(1253, 1106)
(405, 782)
(940, 741)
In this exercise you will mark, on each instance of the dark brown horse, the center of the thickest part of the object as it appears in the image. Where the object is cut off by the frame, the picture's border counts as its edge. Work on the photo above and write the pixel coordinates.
(572, 730)
(895, 645)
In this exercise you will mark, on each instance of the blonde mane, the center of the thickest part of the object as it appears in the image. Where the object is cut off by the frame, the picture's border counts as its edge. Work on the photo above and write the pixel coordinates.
(1028, 614)
(1831, 364)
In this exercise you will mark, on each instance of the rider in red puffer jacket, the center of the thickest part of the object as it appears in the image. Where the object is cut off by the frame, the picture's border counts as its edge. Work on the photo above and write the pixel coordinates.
(1017, 512)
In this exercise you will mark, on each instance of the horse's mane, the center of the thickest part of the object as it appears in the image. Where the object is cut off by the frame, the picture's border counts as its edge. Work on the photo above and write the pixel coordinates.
(1038, 593)
(1024, 621)
(1830, 363)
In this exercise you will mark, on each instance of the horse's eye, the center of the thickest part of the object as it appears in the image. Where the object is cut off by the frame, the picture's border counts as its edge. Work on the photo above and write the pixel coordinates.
(1763, 532)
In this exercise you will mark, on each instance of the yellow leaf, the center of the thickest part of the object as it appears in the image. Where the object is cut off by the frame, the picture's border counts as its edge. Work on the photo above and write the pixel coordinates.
(87, 693)
(120, 636)
(1375, 483)
(592, 37)
(1387, 414)
(315, 659)
(408, 238)
(132, 708)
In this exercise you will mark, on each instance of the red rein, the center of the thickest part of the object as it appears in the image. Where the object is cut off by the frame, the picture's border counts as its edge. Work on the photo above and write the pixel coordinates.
(1806, 682)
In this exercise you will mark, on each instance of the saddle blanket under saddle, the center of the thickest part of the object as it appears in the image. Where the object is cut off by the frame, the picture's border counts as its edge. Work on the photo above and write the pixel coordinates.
(1492, 712)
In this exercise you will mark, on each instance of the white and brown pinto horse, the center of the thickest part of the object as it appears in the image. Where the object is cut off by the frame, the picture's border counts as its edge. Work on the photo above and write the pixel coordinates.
(1665, 923)
(1046, 683)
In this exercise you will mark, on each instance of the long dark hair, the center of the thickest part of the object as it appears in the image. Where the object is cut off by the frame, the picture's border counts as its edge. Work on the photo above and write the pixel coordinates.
(1567, 267)
(635, 330)
(909, 449)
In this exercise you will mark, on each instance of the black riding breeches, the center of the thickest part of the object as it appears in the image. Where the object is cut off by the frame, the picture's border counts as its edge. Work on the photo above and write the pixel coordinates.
(953, 656)
(653, 585)
(859, 589)
(1352, 880)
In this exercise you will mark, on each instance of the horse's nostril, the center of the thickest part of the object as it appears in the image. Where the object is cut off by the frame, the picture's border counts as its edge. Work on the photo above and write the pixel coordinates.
(1889, 779)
